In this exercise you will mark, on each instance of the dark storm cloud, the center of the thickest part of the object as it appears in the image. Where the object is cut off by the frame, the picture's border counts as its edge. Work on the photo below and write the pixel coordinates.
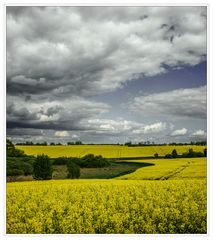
(24, 132)
(66, 114)
(21, 114)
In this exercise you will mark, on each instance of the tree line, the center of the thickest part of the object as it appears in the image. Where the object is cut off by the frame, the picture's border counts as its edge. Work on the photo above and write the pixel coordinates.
(129, 144)
(189, 154)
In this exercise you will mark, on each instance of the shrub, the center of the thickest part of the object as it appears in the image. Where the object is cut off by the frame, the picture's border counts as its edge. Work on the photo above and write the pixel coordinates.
(205, 152)
(168, 156)
(64, 160)
(27, 168)
(90, 161)
(156, 155)
(24, 165)
(73, 170)
(15, 172)
(60, 161)
(42, 168)
(174, 153)
(191, 154)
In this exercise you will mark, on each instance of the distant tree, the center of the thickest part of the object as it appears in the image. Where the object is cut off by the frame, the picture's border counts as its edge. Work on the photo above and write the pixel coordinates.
(168, 156)
(156, 155)
(73, 170)
(191, 153)
(11, 151)
(205, 152)
(52, 144)
(174, 153)
(9, 146)
(128, 143)
(42, 168)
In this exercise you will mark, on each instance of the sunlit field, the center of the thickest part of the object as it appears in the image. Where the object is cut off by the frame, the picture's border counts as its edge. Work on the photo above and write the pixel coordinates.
(159, 196)
(108, 151)
(164, 169)
(107, 206)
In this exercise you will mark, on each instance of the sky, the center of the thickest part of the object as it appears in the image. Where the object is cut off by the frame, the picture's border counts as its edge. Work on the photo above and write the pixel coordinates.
(106, 74)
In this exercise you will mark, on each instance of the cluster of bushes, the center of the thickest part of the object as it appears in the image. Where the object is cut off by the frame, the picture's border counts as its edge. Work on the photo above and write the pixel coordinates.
(73, 170)
(189, 154)
(92, 161)
(88, 161)
(41, 166)
(17, 166)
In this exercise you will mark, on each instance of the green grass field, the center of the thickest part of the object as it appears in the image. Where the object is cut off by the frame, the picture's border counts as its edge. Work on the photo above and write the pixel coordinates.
(108, 151)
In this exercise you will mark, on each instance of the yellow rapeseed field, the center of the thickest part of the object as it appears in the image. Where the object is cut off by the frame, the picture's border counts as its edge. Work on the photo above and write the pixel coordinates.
(107, 206)
(163, 169)
(166, 197)
(108, 151)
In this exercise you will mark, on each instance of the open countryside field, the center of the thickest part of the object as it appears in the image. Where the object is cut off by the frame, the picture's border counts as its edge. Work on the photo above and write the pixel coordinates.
(166, 197)
(147, 169)
(163, 169)
(108, 151)
(107, 206)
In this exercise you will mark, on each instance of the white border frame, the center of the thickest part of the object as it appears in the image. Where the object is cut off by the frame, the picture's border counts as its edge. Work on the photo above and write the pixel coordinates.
(3, 123)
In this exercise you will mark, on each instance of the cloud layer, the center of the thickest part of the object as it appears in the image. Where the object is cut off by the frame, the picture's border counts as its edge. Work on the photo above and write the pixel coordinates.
(60, 58)
(181, 103)
(88, 51)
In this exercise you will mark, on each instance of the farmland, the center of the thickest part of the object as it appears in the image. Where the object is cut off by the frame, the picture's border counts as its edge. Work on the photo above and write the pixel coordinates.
(107, 206)
(108, 151)
(158, 196)
(163, 169)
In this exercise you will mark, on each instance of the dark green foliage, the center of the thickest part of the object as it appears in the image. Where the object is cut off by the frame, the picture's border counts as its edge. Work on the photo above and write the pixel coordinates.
(73, 170)
(92, 161)
(15, 172)
(156, 155)
(174, 153)
(189, 154)
(60, 161)
(25, 165)
(88, 161)
(128, 144)
(42, 168)
(205, 152)
(12, 151)
(64, 160)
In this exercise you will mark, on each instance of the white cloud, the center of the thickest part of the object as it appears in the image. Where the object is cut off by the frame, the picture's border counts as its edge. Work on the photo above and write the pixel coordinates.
(152, 128)
(179, 132)
(199, 133)
(122, 126)
(62, 134)
(190, 102)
